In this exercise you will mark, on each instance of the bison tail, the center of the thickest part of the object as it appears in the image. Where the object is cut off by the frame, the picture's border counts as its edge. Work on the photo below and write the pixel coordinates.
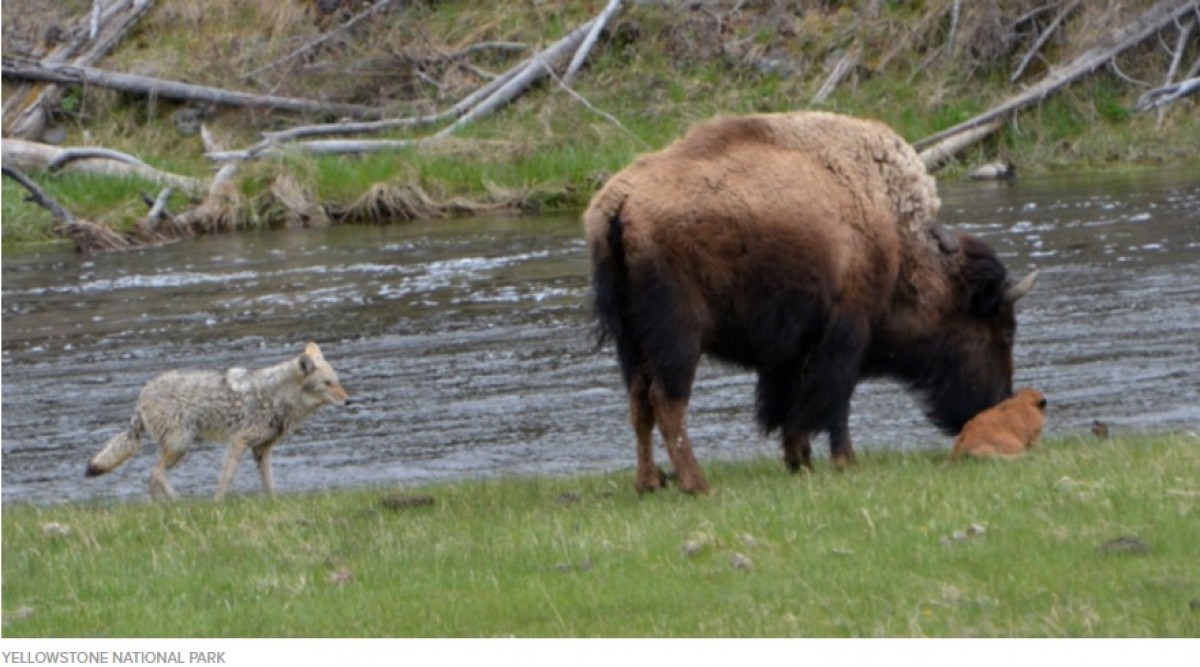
(611, 287)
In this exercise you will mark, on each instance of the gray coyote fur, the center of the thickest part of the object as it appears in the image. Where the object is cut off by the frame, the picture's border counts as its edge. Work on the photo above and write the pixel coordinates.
(252, 409)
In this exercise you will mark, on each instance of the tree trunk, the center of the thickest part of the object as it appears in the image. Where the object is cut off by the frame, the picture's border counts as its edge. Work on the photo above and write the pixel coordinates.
(176, 90)
(1153, 20)
(26, 114)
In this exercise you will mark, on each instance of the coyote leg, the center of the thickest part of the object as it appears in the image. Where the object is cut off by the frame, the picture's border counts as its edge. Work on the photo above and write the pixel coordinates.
(262, 457)
(237, 448)
(171, 451)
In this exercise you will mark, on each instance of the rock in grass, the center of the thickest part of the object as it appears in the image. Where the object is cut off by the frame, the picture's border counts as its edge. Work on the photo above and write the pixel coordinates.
(404, 501)
(56, 529)
(1126, 544)
(741, 562)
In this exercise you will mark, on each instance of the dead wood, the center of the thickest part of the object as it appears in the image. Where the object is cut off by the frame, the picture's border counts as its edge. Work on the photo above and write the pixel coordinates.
(88, 236)
(518, 84)
(1042, 39)
(26, 114)
(353, 21)
(1148, 24)
(593, 34)
(941, 152)
(844, 66)
(487, 99)
(39, 196)
(1164, 95)
(34, 155)
(20, 68)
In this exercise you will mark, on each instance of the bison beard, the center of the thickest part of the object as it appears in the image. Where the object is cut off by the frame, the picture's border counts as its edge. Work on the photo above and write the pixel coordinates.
(801, 246)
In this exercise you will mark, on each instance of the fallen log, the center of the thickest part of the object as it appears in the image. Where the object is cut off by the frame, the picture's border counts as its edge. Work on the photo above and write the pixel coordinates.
(88, 236)
(26, 114)
(273, 140)
(482, 102)
(536, 68)
(23, 154)
(1147, 25)
(1042, 39)
(593, 34)
(1164, 95)
(941, 152)
(368, 13)
(20, 68)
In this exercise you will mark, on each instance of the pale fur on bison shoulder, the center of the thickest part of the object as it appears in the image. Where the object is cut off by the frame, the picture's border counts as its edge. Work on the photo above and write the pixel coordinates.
(1005, 430)
(863, 155)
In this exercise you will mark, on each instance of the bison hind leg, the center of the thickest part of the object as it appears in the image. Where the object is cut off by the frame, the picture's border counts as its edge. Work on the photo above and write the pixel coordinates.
(649, 476)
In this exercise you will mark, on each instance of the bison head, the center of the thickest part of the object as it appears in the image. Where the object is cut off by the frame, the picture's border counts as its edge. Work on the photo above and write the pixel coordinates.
(957, 351)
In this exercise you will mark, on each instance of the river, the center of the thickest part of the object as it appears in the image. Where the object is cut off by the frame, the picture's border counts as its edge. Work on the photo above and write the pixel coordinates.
(466, 345)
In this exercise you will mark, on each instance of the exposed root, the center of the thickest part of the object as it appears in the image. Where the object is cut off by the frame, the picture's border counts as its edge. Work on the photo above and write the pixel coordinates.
(385, 202)
(294, 204)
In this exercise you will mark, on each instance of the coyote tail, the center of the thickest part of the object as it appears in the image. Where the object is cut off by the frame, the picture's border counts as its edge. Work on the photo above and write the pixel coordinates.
(119, 448)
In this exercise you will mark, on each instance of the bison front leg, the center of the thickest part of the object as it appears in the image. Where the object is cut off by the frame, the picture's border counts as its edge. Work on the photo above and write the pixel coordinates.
(841, 450)
(641, 415)
(671, 415)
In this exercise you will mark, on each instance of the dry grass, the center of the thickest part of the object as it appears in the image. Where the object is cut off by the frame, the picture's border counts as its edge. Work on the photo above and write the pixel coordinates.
(657, 70)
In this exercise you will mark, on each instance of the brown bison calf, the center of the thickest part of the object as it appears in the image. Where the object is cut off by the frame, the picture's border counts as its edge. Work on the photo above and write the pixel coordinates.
(1005, 430)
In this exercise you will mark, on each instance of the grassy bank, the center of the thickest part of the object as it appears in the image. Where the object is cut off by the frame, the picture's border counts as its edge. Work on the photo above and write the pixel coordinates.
(900, 546)
(660, 68)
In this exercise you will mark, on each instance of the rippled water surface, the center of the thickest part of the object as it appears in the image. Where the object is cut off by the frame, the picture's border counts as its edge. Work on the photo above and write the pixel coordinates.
(466, 345)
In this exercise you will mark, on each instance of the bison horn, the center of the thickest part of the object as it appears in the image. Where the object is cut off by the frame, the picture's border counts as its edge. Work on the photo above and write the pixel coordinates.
(1015, 292)
(946, 239)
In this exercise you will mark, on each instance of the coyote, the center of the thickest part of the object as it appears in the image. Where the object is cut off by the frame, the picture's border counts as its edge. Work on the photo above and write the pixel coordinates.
(252, 409)
(1006, 430)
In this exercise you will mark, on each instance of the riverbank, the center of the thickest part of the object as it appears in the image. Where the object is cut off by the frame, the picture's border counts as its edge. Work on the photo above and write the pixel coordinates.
(1085, 538)
(658, 69)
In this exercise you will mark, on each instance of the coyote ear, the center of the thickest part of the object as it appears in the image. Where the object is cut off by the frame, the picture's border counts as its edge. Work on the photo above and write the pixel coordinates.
(307, 365)
(313, 351)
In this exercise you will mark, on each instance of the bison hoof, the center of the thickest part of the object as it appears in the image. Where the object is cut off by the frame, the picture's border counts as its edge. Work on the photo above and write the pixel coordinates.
(657, 479)
(694, 485)
(844, 461)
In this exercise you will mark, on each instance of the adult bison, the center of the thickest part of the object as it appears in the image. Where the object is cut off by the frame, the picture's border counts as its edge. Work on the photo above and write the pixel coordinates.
(800, 245)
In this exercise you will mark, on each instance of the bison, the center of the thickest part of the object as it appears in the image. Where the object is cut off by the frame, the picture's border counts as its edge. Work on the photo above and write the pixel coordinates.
(802, 246)
(1006, 430)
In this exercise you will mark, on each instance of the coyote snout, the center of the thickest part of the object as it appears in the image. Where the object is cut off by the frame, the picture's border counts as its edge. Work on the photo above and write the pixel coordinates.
(253, 410)
(1007, 429)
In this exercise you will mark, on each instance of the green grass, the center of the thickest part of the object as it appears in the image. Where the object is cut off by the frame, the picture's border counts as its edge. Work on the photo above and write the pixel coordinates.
(870, 552)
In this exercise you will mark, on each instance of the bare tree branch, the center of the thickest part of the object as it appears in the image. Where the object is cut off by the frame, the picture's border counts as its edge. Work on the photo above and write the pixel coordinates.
(1162, 96)
(25, 113)
(20, 68)
(1042, 39)
(368, 13)
(39, 196)
(23, 154)
(584, 49)
(1148, 24)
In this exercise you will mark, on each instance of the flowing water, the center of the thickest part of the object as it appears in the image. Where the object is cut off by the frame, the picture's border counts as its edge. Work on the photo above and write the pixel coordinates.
(466, 344)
